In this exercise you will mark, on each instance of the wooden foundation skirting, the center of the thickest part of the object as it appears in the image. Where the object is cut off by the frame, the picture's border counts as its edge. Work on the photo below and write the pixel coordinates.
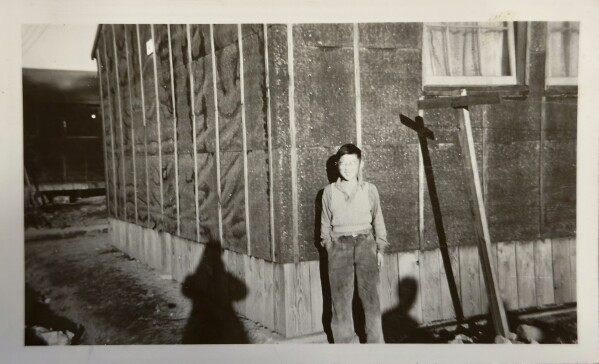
(288, 298)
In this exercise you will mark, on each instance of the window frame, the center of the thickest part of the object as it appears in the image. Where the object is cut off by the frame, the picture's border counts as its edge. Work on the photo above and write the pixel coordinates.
(558, 80)
(440, 81)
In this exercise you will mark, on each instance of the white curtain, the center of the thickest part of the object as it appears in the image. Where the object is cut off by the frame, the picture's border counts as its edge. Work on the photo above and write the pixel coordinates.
(562, 49)
(466, 49)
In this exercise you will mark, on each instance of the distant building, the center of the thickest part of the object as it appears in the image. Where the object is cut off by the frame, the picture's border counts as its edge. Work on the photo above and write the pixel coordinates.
(63, 131)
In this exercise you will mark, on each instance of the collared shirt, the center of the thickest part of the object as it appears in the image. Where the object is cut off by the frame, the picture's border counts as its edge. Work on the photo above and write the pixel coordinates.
(358, 211)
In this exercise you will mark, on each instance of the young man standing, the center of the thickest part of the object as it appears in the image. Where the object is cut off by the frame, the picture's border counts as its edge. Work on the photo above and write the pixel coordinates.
(354, 235)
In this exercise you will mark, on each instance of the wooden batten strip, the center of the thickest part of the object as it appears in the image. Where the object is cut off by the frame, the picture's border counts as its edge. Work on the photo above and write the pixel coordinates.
(193, 127)
(269, 131)
(107, 188)
(573, 268)
(217, 140)
(541, 189)
(357, 85)
(484, 298)
(176, 149)
(143, 113)
(158, 121)
(141, 78)
(485, 161)
(118, 92)
(132, 126)
(244, 137)
(421, 184)
(116, 211)
(292, 136)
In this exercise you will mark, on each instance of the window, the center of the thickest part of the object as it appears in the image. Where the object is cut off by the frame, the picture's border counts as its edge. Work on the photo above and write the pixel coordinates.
(562, 53)
(469, 54)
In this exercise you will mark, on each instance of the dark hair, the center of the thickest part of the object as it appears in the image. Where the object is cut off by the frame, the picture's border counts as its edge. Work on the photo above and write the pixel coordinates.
(349, 149)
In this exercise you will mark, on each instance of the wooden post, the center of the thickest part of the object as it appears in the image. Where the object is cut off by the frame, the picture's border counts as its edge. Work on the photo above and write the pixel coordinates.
(480, 222)
(424, 134)
(476, 197)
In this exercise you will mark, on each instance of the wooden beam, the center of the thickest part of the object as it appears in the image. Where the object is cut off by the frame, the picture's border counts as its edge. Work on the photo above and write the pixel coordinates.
(103, 113)
(244, 140)
(270, 154)
(293, 146)
(122, 145)
(154, 58)
(427, 168)
(132, 125)
(175, 123)
(217, 137)
(358, 91)
(459, 101)
(114, 195)
(143, 113)
(193, 128)
(480, 222)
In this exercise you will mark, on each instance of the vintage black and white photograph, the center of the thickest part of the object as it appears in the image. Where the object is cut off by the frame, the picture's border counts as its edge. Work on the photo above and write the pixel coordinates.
(303, 183)
(313, 183)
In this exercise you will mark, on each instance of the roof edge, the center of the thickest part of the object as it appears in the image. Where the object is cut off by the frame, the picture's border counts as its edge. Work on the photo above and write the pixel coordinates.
(95, 46)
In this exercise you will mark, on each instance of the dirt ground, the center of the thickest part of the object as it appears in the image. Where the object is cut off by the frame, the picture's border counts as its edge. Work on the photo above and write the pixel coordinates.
(84, 285)
(76, 281)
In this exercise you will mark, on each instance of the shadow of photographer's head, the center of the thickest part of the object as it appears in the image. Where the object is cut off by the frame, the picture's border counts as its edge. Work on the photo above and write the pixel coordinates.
(211, 281)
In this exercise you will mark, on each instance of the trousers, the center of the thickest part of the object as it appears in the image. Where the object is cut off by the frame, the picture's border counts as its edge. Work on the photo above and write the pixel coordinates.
(354, 257)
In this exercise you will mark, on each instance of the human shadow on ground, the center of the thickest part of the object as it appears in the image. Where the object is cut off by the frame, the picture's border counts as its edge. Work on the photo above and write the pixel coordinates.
(212, 291)
(398, 325)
